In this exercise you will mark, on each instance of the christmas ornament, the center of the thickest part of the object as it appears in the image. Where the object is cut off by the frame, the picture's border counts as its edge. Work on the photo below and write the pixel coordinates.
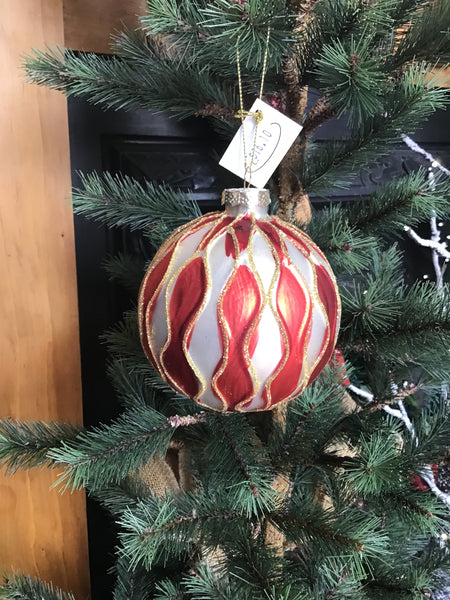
(239, 310)
(420, 484)
(337, 362)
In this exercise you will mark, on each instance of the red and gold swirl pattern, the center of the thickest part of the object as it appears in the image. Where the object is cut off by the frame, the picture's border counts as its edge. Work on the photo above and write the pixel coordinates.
(239, 312)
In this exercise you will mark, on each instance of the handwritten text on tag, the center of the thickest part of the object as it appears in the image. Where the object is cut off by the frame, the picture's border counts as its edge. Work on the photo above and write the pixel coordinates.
(274, 136)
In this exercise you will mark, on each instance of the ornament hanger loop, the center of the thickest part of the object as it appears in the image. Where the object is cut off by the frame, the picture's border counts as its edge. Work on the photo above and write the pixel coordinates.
(242, 114)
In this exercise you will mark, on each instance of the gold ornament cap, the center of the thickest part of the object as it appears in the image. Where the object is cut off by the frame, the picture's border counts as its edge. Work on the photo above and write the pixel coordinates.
(242, 200)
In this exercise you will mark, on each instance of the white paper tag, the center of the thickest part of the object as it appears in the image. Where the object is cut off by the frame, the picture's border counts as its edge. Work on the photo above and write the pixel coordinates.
(275, 135)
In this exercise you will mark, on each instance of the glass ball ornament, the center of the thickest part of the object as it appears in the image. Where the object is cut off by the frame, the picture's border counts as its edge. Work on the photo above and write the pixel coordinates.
(239, 310)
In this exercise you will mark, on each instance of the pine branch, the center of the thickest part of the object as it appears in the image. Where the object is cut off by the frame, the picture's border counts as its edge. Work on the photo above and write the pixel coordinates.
(209, 32)
(132, 583)
(413, 100)
(182, 21)
(329, 19)
(227, 437)
(378, 465)
(168, 590)
(321, 112)
(120, 201)
(426, 38)
(190, 520)
(351, 76)
(212, 109)
(433, 434)
(23, 587)
(204, 583)
(117, 498)
(160, 529)
(409, 504)
(256, 566)
(123, 342)
(229, 22)
(347, 249)
(311, 425)
(310, 529)
(331, 532)
(133, 386)
(403, 10)
(127, 270)
(289, 443)
(126, 83)
(406, 201)
(24, 445)
(379, 403)
(234, 461)
(373, 303)
(105, 455)
(335, 590)
(416, 334)
(124, 345)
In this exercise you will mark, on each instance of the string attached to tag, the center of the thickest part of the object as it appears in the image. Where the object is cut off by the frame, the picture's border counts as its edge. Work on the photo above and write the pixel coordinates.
(257, 115)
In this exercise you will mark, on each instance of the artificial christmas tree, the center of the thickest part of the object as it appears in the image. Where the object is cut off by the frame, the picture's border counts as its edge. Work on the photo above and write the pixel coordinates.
(315, 500)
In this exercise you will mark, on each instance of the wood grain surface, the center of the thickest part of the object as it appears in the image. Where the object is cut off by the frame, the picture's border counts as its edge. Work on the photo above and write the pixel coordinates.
(42, 532)
(89, 24)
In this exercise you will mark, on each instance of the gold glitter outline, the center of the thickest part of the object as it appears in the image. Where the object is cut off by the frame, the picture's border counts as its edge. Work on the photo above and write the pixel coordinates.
(225, 342)
(194, 367)
(254, 375)
(315, 298)
(307, 240)
(294, 230)
(305, 237)
(173, 238)
(141, 313)
(311, 296)
(145, 315)
(277, 318)
(179, 232)
(338, 323)
(307, 293)
(167, 299)
(170, 284)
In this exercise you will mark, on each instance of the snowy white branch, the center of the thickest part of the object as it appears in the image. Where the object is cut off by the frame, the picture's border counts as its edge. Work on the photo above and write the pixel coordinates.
(440, 247)
(414, 146)
(359, 392)
(426, 474)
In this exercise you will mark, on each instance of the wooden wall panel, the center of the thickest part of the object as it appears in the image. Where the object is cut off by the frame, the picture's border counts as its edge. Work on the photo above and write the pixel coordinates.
(42, 532)
(89, 23)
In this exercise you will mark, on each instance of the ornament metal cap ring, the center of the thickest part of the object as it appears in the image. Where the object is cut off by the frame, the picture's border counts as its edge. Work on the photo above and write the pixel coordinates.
(246, 197)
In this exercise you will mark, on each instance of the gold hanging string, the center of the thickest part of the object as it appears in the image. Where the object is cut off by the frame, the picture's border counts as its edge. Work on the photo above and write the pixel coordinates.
(257, 115)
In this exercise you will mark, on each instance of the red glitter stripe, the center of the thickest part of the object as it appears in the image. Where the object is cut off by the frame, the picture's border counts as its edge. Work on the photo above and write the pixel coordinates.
(295, 312)
(223, 224)
(242, 228)
(240, 307)
(149, 292)
(187, 296)
(273, 235)
(328, 297)
(297, 236)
